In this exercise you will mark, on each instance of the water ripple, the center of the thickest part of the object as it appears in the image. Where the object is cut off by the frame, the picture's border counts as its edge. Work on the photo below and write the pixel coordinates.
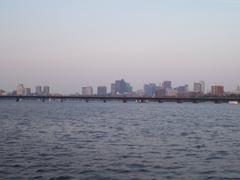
(74, 140)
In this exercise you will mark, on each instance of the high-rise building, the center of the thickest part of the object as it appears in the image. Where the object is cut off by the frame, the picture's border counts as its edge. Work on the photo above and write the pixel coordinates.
(46, 90)
(202, 87)
(237, 91)
(101, 90)
(217, 90)
(2, 92)
(197, 87)
(113, 89)
(182, 89)
(122, 87)
(128, 88)
(87, 91)
(161, 92)
(167, 84)
(238, 88)
(38, 90)
(20, 90)
(150, 89)
(14, 93)
(27, 91)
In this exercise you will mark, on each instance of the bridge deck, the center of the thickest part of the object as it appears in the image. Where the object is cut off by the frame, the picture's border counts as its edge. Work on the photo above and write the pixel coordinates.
(125, 99)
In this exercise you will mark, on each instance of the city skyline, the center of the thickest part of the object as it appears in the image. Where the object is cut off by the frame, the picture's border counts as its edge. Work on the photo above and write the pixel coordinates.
(108, 85)
(120, 87)
(82, 43)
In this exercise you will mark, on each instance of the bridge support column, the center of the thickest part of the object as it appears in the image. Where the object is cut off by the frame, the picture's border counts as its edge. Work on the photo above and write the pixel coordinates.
(124, 101)
(160, 101)
(104, 101)
(17, 99)
(195, 101)
(86, 100)
(141, 101)
(179, 101)
(43, 100)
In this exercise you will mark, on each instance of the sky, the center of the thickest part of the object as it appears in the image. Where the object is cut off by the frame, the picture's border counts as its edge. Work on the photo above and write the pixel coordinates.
(67, 44)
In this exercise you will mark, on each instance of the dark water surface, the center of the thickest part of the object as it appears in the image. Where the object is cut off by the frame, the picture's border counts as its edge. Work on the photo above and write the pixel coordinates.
(74, 140)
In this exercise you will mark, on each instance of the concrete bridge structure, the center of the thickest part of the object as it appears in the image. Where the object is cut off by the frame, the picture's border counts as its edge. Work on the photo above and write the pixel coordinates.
(124, 99)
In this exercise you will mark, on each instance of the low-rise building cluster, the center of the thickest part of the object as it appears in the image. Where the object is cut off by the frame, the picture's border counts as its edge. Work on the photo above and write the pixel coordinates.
(26, 91)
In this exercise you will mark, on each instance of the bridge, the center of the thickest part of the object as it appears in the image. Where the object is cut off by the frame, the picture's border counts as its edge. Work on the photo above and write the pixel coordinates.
(124, 99)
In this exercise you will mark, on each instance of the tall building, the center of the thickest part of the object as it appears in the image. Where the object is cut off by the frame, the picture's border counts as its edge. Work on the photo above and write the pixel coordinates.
(122, 87)
(197, 87)
(237, 91)
(238, 88)
(167, 84)
(2, 92)
(20, 90)
(27, 91)
(217, 90)
(161, 92)
(87, 91)
(46, 90)
(182, 89)
(38, 90)
(202, 87)
(150, 89)
(113, 89)
(129, 88)
(101, 90)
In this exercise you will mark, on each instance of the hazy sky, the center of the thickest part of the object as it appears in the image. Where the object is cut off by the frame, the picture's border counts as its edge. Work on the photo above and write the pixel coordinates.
(74, 43)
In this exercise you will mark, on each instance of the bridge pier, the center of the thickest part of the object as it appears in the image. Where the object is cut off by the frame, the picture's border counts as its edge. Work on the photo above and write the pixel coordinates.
(179, 101)
(141, 101)
(17, 99)
(43, 100)
(86, 100)
(195, 101)
(160, 101)
(124, 101)
(104, 101)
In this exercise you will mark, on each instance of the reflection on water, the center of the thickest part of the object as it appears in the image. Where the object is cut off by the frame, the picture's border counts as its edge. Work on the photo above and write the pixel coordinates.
(74, 140)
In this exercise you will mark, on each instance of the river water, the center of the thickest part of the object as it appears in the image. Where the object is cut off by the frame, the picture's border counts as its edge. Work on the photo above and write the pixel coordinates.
(77, 140)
